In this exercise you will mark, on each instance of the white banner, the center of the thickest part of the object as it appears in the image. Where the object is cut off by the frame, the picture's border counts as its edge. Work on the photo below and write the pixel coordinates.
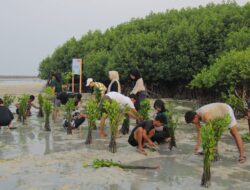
(76, 66)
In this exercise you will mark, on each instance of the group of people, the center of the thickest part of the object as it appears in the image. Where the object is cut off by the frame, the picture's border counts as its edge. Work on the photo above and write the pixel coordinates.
(146, 134)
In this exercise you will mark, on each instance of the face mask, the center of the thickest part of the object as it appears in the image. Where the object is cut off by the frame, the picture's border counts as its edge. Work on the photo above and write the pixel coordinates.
(159, 128)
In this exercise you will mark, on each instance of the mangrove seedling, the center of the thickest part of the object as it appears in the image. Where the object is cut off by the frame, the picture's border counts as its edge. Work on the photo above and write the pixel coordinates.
(47, 108)
(173, 123)
(23, 106)
(144, 109)
(219, 126)
(100, 163)
(69, 107)
(208, 143)
(115, 114)
(49, 93)
(40, 101)
(98, 94)
(8, 100)
(93, 114)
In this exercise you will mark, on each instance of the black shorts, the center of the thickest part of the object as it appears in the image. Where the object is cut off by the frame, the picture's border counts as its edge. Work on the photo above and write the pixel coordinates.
(132, 141)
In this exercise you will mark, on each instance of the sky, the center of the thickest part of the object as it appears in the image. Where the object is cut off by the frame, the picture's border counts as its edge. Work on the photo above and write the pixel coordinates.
(30, 30)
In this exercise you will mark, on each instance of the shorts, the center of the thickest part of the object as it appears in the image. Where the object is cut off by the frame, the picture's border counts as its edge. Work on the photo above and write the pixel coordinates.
(5, 122)
(132, 141)
(233, 119)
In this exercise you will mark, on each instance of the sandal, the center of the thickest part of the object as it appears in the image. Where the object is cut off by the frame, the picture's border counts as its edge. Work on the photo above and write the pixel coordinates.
(242, 159)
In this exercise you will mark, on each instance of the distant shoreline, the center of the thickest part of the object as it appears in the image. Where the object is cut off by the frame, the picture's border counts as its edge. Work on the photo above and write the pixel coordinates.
(18, 77)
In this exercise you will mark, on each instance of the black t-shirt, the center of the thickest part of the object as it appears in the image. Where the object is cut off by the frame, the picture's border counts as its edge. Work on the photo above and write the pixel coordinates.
(147, 125)
(5, 116)
(114, 87)
(63, 97)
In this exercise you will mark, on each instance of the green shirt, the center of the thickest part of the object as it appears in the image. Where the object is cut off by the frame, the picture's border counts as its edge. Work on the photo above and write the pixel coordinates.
(56, 85)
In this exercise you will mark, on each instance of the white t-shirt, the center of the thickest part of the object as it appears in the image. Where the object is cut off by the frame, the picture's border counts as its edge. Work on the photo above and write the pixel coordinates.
(121, 99)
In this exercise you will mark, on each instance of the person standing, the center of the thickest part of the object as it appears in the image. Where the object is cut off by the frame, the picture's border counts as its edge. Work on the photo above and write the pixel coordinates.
(114, 85)
(139, 89)
(57, 87)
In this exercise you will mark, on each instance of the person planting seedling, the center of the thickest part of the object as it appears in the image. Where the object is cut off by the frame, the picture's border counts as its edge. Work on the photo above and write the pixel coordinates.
(8, 100)
(208, 143)
(22, 107)
(40, 101)
(211, 112)
(93, 113)
(69, 107)
(47, 108)
(115, 113)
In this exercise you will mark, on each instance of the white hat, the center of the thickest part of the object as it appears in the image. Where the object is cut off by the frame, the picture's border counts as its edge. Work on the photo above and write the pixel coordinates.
(89, 81)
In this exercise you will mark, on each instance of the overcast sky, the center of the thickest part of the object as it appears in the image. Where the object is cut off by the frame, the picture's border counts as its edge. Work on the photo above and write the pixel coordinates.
(31, 29)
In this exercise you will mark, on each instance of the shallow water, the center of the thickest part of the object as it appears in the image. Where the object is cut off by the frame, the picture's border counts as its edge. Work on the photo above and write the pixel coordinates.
(32, 158)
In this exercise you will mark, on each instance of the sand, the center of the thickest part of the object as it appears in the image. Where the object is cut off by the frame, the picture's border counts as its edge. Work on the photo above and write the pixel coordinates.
(33, 159)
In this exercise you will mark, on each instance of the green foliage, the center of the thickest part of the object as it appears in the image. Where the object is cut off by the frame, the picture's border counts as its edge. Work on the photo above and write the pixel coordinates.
(116, 115)
(47, 108)
(219, 125)
(68, 108)
(173, 123)
(176, 44)
(40, 101)
(66, 77)
(49, 93)
(230, 70)
(8, 99)
(144, 109)
(237, 103)
(208, 143)
(100, 163)
(210, 135)
(246, 137)
(93, 113)
(23, 105)
(98, 94)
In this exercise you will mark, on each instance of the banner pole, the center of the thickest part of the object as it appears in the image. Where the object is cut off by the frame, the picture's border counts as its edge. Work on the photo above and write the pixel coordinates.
(80, 89)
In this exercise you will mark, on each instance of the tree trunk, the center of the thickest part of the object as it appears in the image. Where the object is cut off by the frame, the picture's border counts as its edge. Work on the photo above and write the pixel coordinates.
(112, 144)
(125, 125)
(172, 142)
(40, 113)
(47, 125)
(216, 153)
(89, 137)
(249, 125)
(206, 176)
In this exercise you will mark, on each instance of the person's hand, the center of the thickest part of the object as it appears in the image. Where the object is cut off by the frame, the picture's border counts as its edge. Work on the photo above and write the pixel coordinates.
(167, 140)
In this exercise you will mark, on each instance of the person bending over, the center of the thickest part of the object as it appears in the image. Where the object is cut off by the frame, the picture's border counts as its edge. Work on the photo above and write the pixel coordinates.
(6, 115)
(213, 111)
(143, 132)
(121, 100)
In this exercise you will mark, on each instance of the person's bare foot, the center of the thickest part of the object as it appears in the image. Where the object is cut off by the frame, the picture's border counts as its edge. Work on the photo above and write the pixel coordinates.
(141, 151)
(242, 159)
